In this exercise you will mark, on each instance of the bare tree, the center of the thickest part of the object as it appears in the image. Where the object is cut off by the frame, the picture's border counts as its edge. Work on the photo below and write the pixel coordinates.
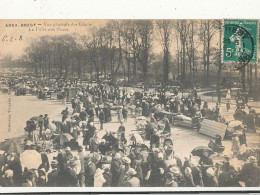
(182, 29)
(208, 30)
(143, 44)
(164, 33)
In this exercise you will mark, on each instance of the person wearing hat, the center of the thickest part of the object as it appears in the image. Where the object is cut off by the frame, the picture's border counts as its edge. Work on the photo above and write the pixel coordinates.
(154, 139)
(83, 115)
(68, 154)
(90, 169)
(8, 179)
(167, 127)
(40, 125)
(121, 131)
(250, 173)
(123, 172)
(235, 145)
(66, 177)
(107, 174)
(91, 115)
(228, 105)
(115, 169)
(46, 121)
(170, 180)
(29, 176)
(41, 181)
(145, 108)
(65, 114)
(155, 175)
(170, 158)
(145, 155)
(136, 162)
(14, 164)
(45, 162)
(131, 180)
(53, 174)
(119, 114)
(124, 113)
(205, 162)
(229, 176)
(111, 140)
(179, 178)
(89, 134)
(102, 147)
(101, 117)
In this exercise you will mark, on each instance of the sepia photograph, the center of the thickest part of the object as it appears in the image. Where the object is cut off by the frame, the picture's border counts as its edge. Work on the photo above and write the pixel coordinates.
(130, 103)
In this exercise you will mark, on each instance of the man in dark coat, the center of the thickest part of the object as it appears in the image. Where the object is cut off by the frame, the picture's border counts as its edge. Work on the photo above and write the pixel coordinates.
(89, 133)
(115, 169)
(83, 115)
(66, 177)
(46, 121)
(52, 176)
(65, 114)
(111, 141)
(101, 117)
(90, 170)
(40, 124)
(228, 177)
(154, 139)
(91, 115)
(156, 173)
(250, 173)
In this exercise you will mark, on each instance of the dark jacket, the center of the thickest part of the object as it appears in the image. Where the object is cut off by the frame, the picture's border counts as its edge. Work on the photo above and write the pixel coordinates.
(250, 175)
(66, 178)
(52, 178)
(90, 170)
(115, 169)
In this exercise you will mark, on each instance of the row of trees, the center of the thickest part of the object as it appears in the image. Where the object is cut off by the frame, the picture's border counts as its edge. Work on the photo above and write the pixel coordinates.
(188, 49)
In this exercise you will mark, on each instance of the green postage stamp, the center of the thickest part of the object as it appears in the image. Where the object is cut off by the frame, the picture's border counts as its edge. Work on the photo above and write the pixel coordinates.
(240, 41)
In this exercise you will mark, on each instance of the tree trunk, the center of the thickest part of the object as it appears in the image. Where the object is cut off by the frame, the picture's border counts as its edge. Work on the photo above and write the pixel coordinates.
(219, 62)
(183, 63)
(134, 66)
(208, 54)
(166, 65)
(128, 69)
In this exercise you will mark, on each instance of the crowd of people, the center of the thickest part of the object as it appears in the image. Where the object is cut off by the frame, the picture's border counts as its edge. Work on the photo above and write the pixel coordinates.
(74, 154)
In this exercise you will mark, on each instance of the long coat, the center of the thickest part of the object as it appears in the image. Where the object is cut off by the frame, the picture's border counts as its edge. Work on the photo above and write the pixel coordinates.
(115, 169)
(90, 171)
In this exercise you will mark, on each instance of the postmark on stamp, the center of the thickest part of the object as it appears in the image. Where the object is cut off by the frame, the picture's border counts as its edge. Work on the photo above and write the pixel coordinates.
(240, 41)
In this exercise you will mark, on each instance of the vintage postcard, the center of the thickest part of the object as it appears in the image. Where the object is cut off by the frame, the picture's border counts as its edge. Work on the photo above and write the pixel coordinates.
(173, 104)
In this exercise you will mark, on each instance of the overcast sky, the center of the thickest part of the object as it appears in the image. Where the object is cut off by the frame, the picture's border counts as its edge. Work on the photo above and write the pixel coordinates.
(13, 30)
